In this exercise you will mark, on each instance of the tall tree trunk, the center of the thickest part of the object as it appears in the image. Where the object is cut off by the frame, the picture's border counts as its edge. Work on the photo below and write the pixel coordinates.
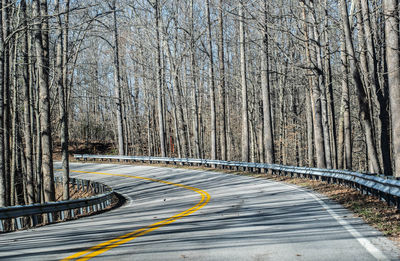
(14, 132)
(268, 138)
(211, 85)
(27, 110)
(320, 88)
(310, 130)
(195, 109)
(362, 95)
(348, 149)
(381, 93)
(2, 82)
(161, 128)
(117, 84)
(6, 97)
(65, 114)
(44, 106)
(392, 58)
(316, 103)
(245, 120)
(66, 84)
(223, 116)
(329, 88)
(62, 102)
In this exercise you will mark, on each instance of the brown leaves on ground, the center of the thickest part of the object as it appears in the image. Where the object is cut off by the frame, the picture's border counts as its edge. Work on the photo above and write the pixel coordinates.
(73, 192)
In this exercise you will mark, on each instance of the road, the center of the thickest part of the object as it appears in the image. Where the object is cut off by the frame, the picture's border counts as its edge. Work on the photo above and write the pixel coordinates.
(202, 215)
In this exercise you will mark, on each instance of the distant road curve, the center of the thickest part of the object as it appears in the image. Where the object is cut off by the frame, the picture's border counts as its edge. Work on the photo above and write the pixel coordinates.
(178, 214)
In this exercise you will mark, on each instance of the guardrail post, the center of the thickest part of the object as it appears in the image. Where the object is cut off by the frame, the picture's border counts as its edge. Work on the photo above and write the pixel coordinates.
(19, 222)
(1, 225)
(34, 220)
(50, 217)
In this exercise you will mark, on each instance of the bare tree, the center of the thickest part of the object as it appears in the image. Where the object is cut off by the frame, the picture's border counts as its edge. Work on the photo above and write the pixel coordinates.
(2, 167)
(44, 105)
(117, 83)
(393, 66)
(161, 128)
(222, 86)
(27, 110)
(245, 121)
(362, 96)
(211, 85)
(265, 85)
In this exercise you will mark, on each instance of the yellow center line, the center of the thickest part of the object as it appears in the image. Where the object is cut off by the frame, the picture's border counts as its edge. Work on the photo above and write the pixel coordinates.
(105, 246)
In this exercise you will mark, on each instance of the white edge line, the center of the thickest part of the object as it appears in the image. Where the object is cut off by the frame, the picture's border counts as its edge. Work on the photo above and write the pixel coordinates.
(375, 252)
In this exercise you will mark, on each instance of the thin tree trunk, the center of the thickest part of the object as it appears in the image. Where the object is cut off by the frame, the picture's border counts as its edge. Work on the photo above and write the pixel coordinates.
(310, 130)
(161, 129)
(245, 120)
(14, 132)
(381, 93)
(393, 64)
(6, 97)
(65, 114)
(348, 149)
(316, 105)
(223, 116)
(27, 110)
(268, 139)
(117, 84)
(44, 108)
(320, 87)
(329, 89)
(195, 109)
(362, 96)
(211, 85)
(62, 102)
(2, 82)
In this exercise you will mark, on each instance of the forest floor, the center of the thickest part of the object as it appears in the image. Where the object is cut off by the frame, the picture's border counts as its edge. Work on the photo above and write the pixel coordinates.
(73, 192)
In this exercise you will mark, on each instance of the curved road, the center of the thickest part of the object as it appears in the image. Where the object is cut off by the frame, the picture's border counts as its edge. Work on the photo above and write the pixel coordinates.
(179, 214)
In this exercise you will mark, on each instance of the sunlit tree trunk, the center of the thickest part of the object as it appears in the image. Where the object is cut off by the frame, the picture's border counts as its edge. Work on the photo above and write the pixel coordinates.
(245, 120)
(362, 96)
(161, 128)
(393, 66)
(44, 105)
(117, 84)
(268, 138)
(222, 86)
(211, 85)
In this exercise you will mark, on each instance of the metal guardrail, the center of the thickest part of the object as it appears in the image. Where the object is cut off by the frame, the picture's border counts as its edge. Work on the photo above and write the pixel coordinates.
(60, 209)
(386, 188)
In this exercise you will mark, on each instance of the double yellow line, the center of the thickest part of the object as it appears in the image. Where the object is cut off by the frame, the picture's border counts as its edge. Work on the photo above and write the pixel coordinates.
(105, 246)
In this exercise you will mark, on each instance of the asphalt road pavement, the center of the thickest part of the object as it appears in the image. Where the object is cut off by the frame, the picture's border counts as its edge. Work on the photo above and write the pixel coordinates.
(180, 214)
